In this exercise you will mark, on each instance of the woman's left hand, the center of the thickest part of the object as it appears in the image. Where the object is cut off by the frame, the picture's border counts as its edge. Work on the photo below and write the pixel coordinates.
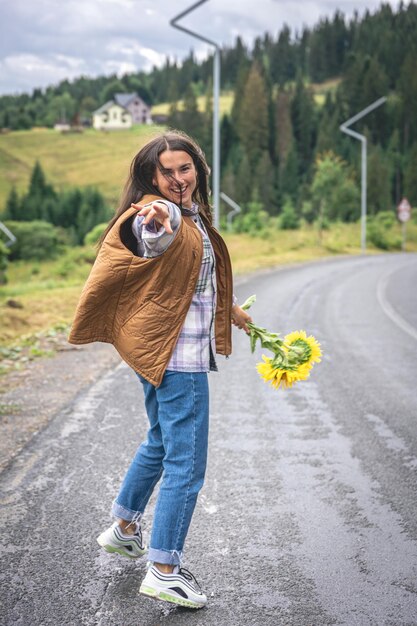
(240, 318)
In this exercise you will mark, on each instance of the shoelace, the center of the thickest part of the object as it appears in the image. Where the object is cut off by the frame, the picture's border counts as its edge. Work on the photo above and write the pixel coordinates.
(189, 576)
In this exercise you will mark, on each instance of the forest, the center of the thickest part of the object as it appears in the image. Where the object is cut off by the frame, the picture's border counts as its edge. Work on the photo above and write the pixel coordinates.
(283, 155)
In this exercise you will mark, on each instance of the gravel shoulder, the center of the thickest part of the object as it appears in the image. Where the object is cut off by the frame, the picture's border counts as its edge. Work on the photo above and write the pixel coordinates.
(33, 395)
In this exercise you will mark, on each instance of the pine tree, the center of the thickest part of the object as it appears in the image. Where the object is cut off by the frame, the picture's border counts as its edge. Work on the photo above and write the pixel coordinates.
(282, 61)
(289, 181)
(374, 86)
(328, 132)
(206, 131)
(13, 208)
(37, 184)
(228, 183)
(244, 182)
(191, 118)
(258, 52)
(303, 121)
(92, 211)
(317, 57)
(228, 140)
(266, 182)
(379, 181)
(283, 125)
(410, 176)
(67, 208)
(253, 121)
(188, 73)
(234, 61)
(407, 87)
(39, 192)
(365, 81)
(239, 91)
(174, 116)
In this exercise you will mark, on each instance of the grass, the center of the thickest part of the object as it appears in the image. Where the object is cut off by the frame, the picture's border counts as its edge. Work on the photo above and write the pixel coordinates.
(97, 158)
(48, 291)
(320, 90)
(226, 103)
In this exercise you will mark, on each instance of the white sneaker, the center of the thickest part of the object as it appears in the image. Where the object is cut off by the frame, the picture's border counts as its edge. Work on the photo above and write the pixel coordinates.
(114, 540)
(180, 587)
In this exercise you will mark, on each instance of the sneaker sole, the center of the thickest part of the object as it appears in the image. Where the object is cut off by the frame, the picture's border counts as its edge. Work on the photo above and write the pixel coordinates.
(111, 549)
(166, 597)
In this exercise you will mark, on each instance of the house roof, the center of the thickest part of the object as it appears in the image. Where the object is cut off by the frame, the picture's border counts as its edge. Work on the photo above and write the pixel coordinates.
(124, 99)
(105, 107)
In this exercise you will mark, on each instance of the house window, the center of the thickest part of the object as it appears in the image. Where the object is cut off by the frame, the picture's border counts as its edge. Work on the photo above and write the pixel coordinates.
(114, 115)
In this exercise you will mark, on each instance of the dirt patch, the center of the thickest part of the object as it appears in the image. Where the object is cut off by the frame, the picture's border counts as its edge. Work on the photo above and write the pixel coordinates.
(31, 396)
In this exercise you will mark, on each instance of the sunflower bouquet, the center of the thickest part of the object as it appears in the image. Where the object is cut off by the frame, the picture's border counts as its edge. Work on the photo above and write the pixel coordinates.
(293, 357)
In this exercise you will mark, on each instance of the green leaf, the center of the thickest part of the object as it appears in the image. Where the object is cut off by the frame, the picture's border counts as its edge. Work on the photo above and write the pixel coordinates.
(253, 339)
(248, 303)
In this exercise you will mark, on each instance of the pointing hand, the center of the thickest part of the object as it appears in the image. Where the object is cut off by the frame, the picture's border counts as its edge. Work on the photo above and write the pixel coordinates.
(157, 211)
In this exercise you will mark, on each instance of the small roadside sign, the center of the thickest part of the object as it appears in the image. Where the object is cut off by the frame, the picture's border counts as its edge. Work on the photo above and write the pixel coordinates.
(404, 210)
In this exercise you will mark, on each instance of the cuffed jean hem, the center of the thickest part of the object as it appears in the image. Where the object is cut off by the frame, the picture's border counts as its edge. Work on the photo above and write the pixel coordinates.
(172, 557)
(123, 513)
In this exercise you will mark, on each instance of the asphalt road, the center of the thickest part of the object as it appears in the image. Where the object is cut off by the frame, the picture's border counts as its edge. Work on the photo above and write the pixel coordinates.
(309, 512)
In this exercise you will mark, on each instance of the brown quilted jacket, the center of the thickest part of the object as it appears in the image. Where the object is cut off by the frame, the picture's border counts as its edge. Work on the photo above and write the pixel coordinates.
(139, 305)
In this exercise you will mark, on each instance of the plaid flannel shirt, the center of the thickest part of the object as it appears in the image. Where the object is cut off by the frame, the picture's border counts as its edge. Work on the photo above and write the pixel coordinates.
(195, 348)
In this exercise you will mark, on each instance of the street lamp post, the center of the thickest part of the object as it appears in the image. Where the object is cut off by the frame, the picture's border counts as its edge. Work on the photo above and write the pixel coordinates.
(216, 106)
(8, 233)
(236, 209)
(345, 129)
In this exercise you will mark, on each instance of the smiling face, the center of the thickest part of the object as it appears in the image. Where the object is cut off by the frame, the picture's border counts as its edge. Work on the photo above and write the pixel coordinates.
(176, 178)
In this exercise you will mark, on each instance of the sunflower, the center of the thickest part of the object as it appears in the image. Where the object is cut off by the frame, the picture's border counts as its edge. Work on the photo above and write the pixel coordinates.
(306, 349)
(282, 376)
(293, 357)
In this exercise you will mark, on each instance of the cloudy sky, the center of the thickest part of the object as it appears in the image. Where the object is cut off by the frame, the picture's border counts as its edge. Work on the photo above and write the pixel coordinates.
(45, 41)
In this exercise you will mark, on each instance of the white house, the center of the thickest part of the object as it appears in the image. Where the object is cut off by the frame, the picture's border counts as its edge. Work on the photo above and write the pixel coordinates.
(141, 112)
(125, 110)
(112, 116)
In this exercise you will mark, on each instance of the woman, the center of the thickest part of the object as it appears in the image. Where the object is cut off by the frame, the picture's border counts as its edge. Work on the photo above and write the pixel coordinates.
(161, 292)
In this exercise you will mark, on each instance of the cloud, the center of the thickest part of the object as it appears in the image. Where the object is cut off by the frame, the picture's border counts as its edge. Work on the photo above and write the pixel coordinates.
(22, 72)
(132, 49)
(45, 41)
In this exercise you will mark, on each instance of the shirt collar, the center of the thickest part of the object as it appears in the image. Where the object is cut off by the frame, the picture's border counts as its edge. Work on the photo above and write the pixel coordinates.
(190, 212)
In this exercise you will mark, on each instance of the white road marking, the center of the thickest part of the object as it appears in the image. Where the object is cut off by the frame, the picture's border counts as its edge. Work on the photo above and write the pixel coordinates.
(389, 310)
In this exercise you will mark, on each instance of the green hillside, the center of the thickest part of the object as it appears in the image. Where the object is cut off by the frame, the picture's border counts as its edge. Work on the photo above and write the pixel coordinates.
(226, 99)
(73, 159)
(88, 158)
(226, 103)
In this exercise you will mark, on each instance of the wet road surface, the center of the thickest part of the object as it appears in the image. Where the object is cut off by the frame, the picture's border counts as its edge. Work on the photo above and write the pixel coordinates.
(309, 512)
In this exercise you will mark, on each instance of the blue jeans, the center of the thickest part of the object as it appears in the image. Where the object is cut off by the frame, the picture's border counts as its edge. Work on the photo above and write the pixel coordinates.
(176, 449)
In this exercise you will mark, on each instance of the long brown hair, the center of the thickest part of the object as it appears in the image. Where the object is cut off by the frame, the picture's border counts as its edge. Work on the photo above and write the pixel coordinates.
(144, 165)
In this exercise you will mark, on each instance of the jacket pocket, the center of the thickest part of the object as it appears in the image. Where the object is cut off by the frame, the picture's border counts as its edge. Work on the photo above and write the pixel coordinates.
(151, 322)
